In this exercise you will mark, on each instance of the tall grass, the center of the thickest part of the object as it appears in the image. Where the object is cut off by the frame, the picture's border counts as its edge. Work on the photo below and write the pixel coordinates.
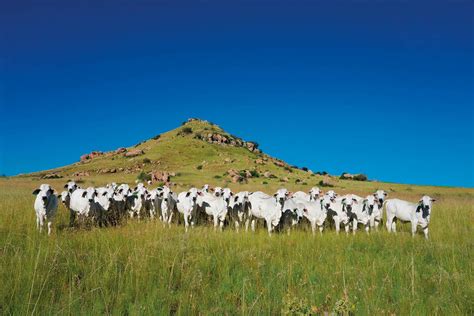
(143, 268)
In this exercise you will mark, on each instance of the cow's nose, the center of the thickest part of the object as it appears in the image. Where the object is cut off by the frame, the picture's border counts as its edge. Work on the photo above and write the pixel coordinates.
(194, 198)
(44, 198)
(91, 200)
(349, 208)
(327, 205)
(166, 200)
(380, 201)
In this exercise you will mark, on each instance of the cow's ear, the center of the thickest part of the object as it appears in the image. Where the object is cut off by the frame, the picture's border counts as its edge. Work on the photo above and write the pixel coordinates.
(236, 198)
(187, 194)
(84, 194)
(275, 195)
(385, 193)
(365, 201)
(343, 200)
(35, 192)
(433, 200)
(120, 190)
(65, 186)
(50, 191)
(104, 194)
(355, 201)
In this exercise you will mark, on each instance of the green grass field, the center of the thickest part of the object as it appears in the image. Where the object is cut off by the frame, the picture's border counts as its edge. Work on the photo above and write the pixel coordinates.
(143, 268)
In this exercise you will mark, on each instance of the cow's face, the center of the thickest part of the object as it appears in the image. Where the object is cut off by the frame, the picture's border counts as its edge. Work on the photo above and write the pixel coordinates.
(205, 188)
(314, 193)
(44, 192)
(424, 205)
(380, 196)
(90, 194)
(64, 196)
(71, 186)
(218, 191)
(227, 195)
(331, 194)
(326, 202)
(281, 195)
(166, 193)
(370, 202)
(193, 193)
(348, 203)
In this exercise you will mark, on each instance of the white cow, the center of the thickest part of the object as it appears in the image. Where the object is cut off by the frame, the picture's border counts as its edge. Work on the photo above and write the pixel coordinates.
(70, 187)
(313, 195)
(357, 211)
(83, 202)
(136, 201)
(205, 188)
(168, 205)
(334, 210)
(187, 205)
(314, 212)
(214, 205)
(418, 214)
(238, 209)
(105, 199)
(331, 194)
(376, 217)
(156, 197)
(46, 205)
(265, 207)
(292, 213)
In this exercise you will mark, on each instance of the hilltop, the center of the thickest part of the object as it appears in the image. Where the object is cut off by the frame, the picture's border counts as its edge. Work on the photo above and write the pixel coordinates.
(197, 150)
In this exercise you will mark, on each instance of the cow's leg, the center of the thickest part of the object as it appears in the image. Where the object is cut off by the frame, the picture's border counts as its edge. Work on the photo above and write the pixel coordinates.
(186, 223)
(413, 228)
(215, 219)
(354, 226)
(367, 228)
(72, 217)
(389, 223)
(347, 227)
(41, 223)
(337, 224)
(425, 231)
(170, 219)
(37, 222)
(376, 223)
(247, 222)
(237, 226)
(49, 227)
(394, 226)
(253, 225)
(269, 226)
(313, 228)
(321, 227)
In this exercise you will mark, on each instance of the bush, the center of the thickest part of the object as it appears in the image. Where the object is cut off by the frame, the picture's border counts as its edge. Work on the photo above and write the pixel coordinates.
(156, 137)
(304, 169)
(217, 176)
(360, 177)
(304, 183)
(324, 184)
(264, 182)
(142, 176)
(185, 131)
(199, 167)
(254, 173)
(288, 169)
(146, 160)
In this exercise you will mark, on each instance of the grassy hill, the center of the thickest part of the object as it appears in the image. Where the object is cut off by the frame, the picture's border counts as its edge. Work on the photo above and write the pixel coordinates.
(143, 268)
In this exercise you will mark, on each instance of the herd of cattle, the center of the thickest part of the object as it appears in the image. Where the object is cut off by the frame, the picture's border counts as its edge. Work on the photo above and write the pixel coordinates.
(109, 205)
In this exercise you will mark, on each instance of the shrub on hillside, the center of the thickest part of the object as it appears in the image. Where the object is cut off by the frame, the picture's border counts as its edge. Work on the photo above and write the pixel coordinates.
(146, 160)
(142, 176)
(199, 167)
(156, 137)
(185, 131)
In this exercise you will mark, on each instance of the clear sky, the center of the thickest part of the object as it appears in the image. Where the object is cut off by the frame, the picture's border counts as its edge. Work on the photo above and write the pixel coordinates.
(379, 87)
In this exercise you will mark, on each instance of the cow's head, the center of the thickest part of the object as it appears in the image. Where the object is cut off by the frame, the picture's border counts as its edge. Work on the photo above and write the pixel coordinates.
(193, 193)
(380, 196)
(218, 191)
(369, 204)
(332, 195)
(424, 205)
(348, 203)
(205, 188)
(326, 202)
(44, 192)
(90, 193)
(227, 195)
(314, 193)
(166, 193)
(281, 195)
(71, 186)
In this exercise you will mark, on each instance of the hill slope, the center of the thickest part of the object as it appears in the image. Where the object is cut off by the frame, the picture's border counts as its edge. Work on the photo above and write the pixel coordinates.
(198, 150)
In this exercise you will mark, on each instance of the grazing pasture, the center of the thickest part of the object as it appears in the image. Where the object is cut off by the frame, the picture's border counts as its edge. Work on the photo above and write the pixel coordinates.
(145, 268)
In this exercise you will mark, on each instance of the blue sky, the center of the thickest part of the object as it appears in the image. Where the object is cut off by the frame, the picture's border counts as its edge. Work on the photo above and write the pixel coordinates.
(379, 87)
